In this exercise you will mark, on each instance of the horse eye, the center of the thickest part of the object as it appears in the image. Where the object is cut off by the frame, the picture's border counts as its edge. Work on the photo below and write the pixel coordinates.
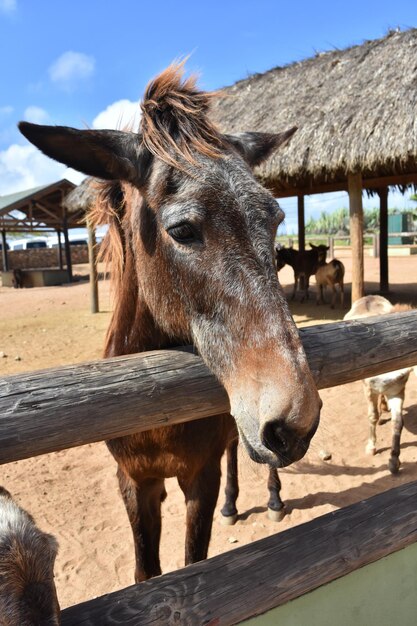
(183, 233)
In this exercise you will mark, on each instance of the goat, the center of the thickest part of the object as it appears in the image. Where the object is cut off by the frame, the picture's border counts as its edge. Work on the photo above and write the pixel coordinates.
(330, 274)
(27, 556)
(304, 264)
(385, 391)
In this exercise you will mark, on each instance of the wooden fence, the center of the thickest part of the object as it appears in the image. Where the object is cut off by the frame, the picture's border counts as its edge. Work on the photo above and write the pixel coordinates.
(59, 408)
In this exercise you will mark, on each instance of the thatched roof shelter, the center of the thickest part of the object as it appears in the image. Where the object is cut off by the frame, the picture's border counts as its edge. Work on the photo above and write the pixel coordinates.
(357, 129)
(355, 110)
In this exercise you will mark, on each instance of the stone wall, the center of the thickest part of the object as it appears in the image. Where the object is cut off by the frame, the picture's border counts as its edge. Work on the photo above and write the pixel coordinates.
(43, 257)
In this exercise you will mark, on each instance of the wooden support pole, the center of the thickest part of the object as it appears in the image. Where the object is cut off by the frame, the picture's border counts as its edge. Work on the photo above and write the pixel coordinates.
(356, 234)
(301, 223)
(383, 239)
(67, 246)
(4, 251)
(93, 268)
(60, 408)
(330, 242)
(60, 259)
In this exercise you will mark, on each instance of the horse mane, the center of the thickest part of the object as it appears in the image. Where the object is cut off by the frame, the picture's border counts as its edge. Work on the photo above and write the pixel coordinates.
(175, 122)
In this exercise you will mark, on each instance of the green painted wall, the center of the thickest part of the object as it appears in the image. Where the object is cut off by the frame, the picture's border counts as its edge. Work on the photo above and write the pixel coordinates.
(383, 593)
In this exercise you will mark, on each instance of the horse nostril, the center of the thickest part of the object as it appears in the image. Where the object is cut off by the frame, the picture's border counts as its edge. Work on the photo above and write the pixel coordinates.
(275, 438)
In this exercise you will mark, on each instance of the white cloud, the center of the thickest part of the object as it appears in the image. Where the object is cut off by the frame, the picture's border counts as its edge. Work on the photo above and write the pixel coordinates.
(23, 167)
(8, 6)
(36, 115)
(123, 114)
(71, 68)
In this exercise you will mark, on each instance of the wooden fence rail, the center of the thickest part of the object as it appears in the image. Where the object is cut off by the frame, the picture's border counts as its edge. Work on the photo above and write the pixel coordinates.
(255, 578)
(60, 408)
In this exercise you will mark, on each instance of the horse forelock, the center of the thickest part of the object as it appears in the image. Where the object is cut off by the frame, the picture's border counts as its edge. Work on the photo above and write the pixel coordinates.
(175, 123)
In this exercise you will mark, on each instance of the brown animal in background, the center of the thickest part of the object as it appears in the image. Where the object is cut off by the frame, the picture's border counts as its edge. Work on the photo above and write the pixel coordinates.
(330, 274)
(190, 238)
(17, 279)
(304, 264)
(27, 556)
(385, 391)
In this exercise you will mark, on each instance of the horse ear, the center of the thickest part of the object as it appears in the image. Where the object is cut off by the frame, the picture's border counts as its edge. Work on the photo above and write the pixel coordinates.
(256, 147)
(108, 154)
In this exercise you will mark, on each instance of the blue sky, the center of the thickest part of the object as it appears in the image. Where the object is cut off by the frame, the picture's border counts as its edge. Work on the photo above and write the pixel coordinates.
(83, 63)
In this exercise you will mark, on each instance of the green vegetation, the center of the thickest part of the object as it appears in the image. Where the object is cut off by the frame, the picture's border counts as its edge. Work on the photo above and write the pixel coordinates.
(338, 221)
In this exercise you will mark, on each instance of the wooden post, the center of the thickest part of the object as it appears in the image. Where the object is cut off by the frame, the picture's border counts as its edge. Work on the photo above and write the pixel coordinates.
(301, 224)
(67, 247)
(60, 260)
(356, 234)
(375, 245)
(4, 251)
(383, 239)
(330, 241)
(93, 268)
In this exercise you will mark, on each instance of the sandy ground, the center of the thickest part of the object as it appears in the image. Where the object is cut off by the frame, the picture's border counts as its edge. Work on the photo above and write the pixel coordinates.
(73, 494)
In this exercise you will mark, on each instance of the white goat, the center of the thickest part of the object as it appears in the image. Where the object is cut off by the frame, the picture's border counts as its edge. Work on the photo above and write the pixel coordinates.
(385, 391)
(330, 274)
(27, 556)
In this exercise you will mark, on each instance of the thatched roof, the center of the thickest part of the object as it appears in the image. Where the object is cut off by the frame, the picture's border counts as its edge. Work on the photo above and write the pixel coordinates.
(82, 197)
(356, 109)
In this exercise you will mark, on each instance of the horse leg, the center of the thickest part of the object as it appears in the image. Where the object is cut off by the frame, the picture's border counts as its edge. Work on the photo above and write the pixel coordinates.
(373, 416)
(276, 507)
(303, 286)
(319, 297)
(143, 506)
(306, 284)
(396, 407)
(383, 405)
(294, 291)
(229, 510)
(201, 493)
(342, 294)
(334, 294)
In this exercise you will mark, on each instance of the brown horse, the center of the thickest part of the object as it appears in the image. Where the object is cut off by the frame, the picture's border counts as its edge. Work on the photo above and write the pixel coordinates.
(191, 240)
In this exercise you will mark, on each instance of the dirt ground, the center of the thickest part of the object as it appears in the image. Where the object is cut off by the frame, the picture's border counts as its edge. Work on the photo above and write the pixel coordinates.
(74, 495)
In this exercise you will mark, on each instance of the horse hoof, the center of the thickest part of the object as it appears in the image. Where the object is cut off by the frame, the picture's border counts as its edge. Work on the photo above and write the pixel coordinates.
(228, 520)
(394, 465)
(371, 450)
(276, 516)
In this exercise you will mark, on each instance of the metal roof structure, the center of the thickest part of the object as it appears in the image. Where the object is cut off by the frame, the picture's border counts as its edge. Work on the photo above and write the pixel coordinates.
(39, 209)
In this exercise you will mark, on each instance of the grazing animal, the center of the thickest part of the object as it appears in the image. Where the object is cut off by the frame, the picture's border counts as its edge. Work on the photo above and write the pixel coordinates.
(17, 279)
(27, 556)
(330, 274)
(385, 391)
(190, 238)
(304, 264)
